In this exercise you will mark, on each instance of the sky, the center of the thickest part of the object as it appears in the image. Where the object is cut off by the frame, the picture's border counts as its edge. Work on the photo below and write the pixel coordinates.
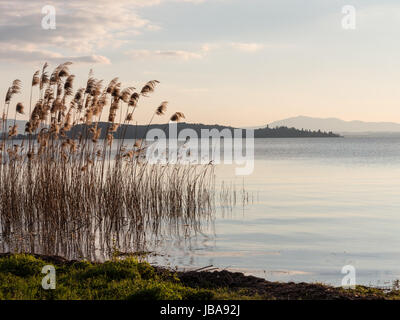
(231, 62)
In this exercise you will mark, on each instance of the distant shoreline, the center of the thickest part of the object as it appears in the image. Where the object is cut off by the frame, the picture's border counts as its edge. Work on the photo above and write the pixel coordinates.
(140, 131)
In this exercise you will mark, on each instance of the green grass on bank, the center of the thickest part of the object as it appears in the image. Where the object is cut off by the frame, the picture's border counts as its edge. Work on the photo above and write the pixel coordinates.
(21, 278)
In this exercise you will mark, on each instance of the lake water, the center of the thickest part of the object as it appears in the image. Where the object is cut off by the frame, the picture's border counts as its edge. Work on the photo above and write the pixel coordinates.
(318, 205)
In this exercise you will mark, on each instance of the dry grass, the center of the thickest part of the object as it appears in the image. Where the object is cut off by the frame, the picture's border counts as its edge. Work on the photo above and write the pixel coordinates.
(82, 196)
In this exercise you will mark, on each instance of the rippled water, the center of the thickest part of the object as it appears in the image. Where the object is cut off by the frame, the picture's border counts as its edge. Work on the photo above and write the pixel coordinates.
(316, 205)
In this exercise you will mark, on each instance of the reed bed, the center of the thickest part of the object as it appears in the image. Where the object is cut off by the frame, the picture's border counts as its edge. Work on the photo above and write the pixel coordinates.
(81, 196)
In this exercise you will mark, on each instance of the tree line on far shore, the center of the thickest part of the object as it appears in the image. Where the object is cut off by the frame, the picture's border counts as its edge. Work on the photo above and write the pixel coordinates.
(139, 131)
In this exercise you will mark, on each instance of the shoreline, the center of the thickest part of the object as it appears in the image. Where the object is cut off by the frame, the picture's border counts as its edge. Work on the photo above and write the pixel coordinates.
(139, 280)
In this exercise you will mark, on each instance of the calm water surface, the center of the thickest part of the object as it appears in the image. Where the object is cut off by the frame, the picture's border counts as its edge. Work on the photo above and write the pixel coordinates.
(319, 204)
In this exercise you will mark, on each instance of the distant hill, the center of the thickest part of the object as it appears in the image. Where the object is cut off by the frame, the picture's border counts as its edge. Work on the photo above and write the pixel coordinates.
(337, 125)
(20, 125)
(139, 131)
(286, 132)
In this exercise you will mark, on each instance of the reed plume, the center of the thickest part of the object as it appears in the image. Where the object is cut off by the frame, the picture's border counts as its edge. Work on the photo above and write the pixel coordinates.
(14, 89)
(177, 116)
(35, 78)
(19, 108)
(149, 87)
(44, 78)
(162, 108)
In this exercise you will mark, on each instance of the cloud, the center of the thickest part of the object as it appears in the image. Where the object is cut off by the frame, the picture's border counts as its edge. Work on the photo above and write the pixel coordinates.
(204, 50)
(208, 47)
(176, 54)
(76, 21)
(82, 27)
(31, 54)
(247, 47)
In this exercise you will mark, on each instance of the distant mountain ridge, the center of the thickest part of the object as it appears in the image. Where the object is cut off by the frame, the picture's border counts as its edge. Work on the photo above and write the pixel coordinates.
(336, 125)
